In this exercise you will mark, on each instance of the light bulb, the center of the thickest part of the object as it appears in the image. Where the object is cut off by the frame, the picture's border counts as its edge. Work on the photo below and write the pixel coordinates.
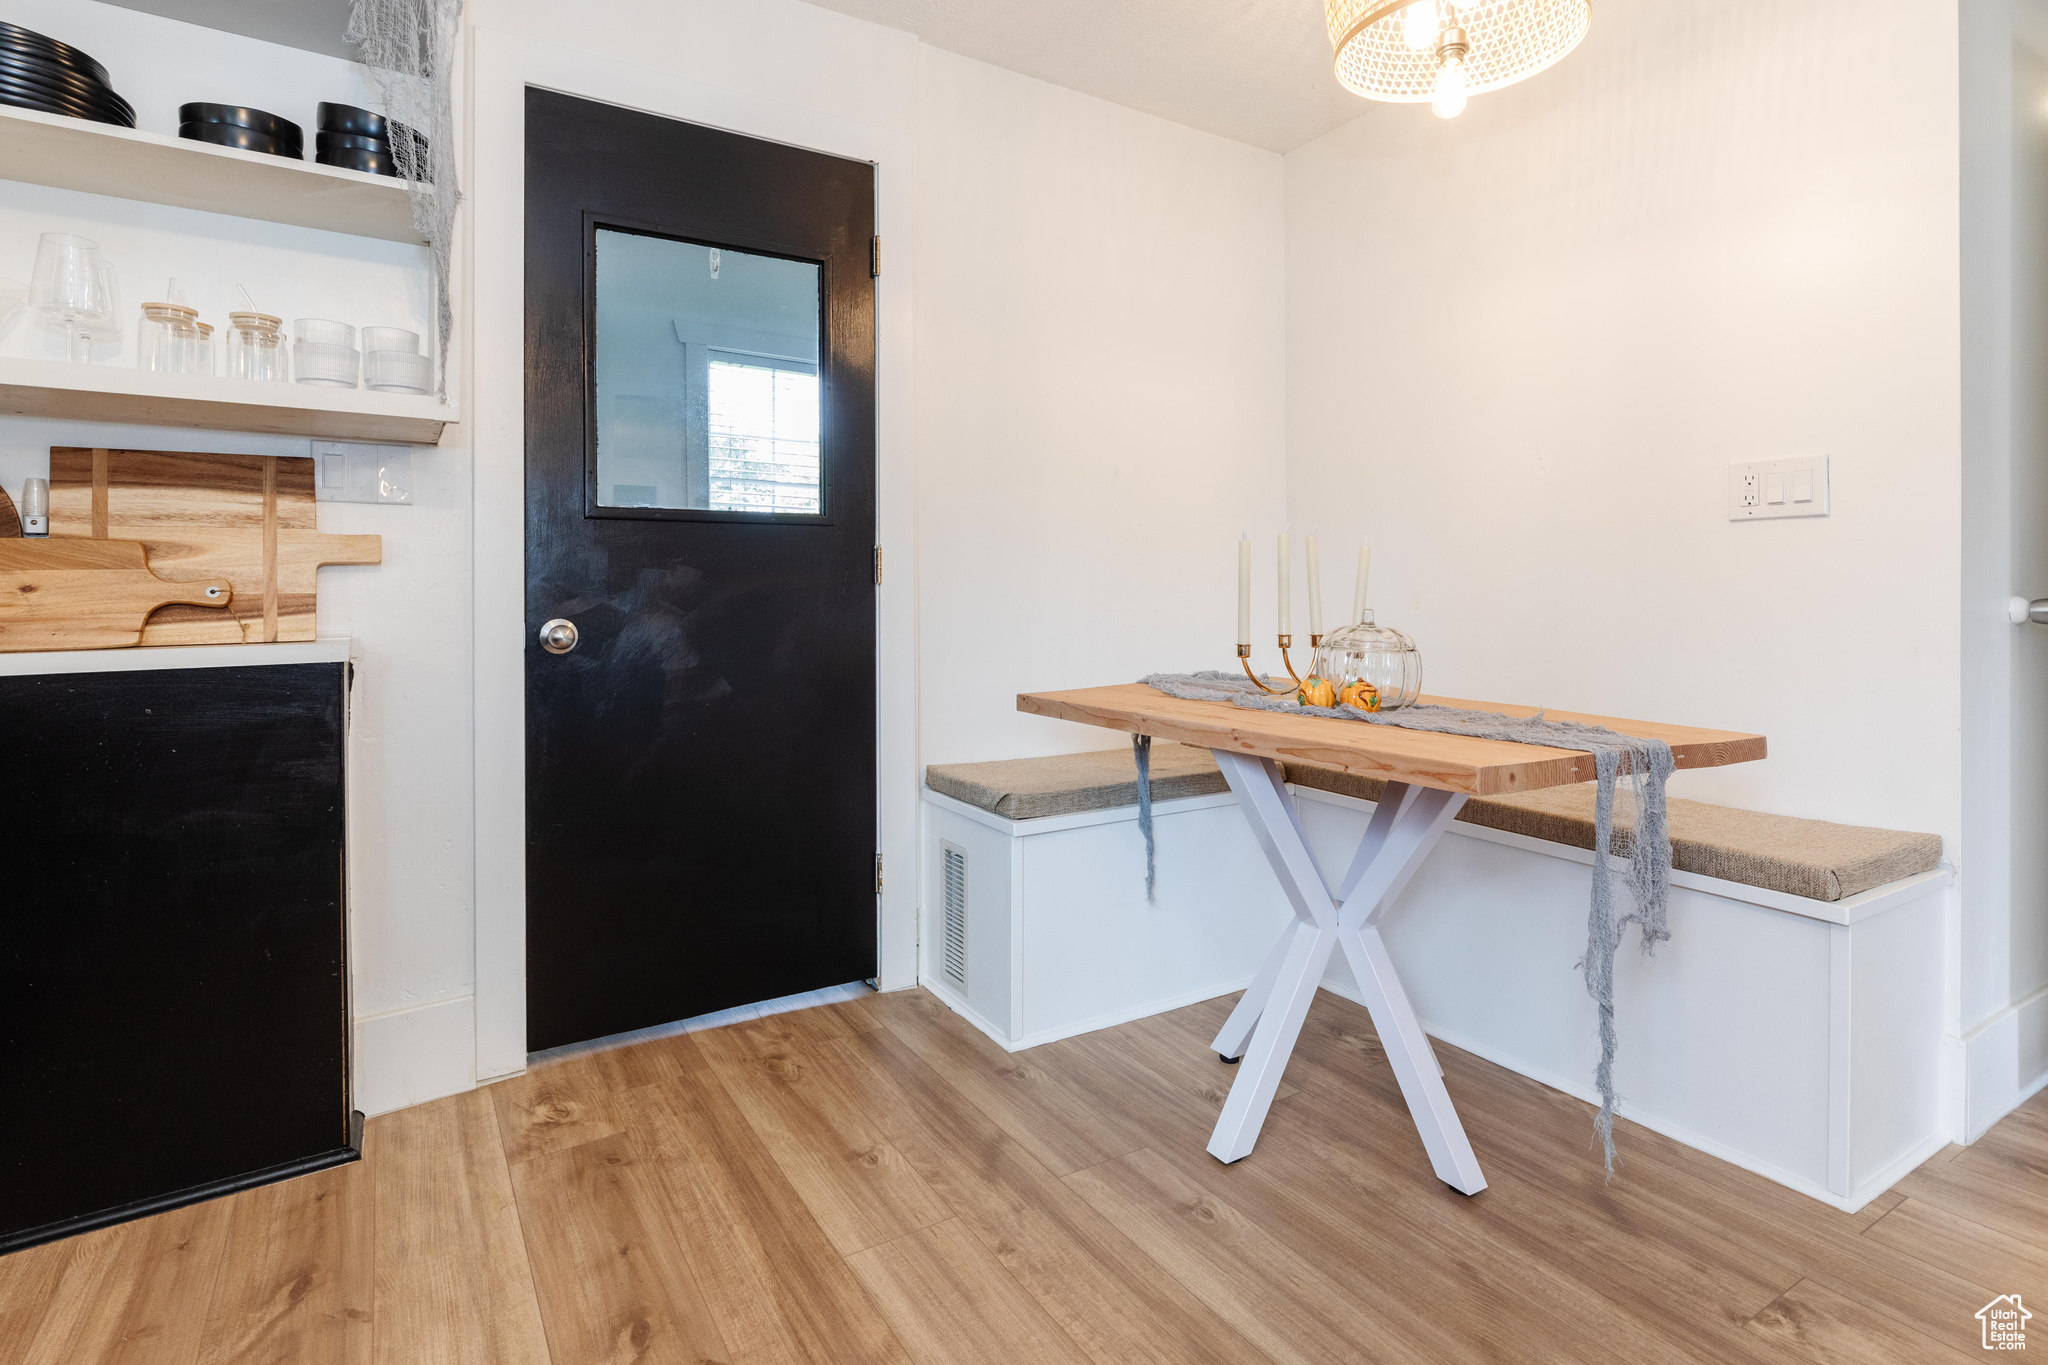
(1419, 25)
(1449, 97)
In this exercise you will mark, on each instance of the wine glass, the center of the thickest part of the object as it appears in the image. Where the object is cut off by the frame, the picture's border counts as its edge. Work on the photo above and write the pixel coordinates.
(109, 326)
(71, 286)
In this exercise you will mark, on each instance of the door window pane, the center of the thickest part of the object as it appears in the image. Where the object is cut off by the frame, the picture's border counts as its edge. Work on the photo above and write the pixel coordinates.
(706, 378)
(764, 434)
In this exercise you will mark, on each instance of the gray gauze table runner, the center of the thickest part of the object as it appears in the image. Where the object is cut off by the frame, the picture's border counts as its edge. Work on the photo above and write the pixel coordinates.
(1635, 767)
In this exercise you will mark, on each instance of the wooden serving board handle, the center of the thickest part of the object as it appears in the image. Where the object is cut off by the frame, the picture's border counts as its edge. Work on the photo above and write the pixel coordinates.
(251, 519)
(86, 594)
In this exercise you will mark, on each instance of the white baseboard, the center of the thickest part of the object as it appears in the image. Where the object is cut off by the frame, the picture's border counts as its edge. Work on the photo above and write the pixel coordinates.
(1857, 1198)
(958, 1004)
(409, 1056)
(2004, 1064)
(1890, 1175)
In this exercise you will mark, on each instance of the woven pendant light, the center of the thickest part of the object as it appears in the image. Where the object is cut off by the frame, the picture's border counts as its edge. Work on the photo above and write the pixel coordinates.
(1412, 51)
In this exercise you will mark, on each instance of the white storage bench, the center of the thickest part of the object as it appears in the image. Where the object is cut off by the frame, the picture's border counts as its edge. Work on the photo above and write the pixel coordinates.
(1035, 922)
(1792, 1025)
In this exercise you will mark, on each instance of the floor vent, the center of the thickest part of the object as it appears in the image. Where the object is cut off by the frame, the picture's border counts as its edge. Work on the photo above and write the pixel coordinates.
(955, 943)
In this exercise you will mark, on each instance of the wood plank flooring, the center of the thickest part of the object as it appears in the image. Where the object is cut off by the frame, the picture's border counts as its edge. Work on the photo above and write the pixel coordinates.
(873, 1181)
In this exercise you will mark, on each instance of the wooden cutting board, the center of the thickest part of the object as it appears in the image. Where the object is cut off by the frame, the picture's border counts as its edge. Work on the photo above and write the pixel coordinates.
(10, 520)
(87, 594)
(247, 518)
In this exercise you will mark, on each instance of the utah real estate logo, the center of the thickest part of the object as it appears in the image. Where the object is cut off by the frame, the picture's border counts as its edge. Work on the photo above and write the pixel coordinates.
(2005, 1323)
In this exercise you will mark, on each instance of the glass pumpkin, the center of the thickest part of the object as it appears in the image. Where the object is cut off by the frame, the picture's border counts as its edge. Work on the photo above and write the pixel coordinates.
(1380, 655)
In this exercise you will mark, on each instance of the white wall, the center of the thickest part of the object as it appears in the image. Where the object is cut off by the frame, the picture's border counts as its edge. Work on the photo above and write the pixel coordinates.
(816, 78)
(158, 64)
(2001, 943)
(1099, 398)
(807, 79)
(1524, 345)
(2027, 512)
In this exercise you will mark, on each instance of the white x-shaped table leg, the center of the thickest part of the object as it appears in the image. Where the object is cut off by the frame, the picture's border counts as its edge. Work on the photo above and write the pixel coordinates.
(1267, 1021)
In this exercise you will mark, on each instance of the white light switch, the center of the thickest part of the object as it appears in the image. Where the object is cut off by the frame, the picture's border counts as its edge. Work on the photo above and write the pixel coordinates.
(1763, 489)
(349, 471)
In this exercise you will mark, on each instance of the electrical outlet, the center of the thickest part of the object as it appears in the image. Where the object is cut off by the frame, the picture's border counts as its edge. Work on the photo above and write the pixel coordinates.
(349, 471)
(1769, 489)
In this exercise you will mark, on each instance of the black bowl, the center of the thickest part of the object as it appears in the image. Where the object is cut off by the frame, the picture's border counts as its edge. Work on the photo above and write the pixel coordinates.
(235, 135)
(358, 159)
(346, 118)
(27, 40)
(334, 142)
(18, 98)
(235, 115)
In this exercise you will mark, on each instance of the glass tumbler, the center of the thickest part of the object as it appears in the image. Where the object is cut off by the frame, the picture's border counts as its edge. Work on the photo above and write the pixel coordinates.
(256, 347)
(167, 339)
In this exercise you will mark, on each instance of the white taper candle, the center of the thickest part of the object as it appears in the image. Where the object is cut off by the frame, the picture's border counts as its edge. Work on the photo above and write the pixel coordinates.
(1315, 589)
(1364, 570)
(1285, 576)
(1244, 589)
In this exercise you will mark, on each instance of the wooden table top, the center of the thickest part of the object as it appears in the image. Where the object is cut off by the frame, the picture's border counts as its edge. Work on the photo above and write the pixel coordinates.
(1477, 767)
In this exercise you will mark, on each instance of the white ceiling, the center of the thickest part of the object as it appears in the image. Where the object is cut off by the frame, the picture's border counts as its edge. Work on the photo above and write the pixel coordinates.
(1259, 71)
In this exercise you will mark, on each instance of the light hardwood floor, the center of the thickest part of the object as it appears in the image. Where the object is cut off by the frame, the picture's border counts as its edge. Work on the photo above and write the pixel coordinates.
(874, 1181)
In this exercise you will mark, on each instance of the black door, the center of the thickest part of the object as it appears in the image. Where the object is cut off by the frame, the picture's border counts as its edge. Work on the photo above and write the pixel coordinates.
(700, 506)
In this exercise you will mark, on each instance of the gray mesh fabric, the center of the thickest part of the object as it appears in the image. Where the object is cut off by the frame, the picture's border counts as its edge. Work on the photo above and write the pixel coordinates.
(409, 46)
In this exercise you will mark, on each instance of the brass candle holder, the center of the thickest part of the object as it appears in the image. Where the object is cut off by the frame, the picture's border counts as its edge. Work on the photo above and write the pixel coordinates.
(1244, 658)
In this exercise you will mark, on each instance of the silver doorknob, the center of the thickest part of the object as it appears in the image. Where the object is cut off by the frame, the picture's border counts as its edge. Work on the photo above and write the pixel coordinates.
(2020, 611)
(558, 636)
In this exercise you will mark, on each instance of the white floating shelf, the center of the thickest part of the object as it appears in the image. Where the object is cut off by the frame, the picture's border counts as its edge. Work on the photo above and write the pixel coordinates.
(100, 158)
(115, 393)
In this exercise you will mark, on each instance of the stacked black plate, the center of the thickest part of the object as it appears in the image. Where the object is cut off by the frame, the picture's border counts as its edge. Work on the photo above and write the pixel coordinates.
(56, 78)
(361, 141)
(232, 125)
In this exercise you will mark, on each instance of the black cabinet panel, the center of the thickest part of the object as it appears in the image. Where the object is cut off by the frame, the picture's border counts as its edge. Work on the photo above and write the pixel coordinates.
(173, 982)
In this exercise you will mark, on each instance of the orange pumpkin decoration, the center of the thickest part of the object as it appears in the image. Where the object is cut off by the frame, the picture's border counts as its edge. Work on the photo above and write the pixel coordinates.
(1361, 694)
(1316, 692)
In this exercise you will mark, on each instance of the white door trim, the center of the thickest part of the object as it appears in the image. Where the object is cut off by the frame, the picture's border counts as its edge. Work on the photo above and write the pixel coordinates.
(500, 66)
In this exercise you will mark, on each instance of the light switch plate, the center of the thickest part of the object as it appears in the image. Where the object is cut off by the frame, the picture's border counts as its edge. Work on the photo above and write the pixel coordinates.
(350, 471)
(1768, 489)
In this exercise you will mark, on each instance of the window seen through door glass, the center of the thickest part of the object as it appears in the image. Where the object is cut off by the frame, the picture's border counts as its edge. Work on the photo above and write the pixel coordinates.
(706, 378)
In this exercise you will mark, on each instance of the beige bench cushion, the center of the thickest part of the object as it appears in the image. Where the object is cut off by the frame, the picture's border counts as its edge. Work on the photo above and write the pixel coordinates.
(1032, 788)
(1810, 858)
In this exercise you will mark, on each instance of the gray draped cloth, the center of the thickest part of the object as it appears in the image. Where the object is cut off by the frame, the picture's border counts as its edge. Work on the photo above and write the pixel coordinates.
(1633, 767)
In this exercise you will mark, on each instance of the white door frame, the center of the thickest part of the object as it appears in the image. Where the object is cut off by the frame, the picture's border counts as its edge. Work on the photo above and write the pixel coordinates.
(499, 68)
